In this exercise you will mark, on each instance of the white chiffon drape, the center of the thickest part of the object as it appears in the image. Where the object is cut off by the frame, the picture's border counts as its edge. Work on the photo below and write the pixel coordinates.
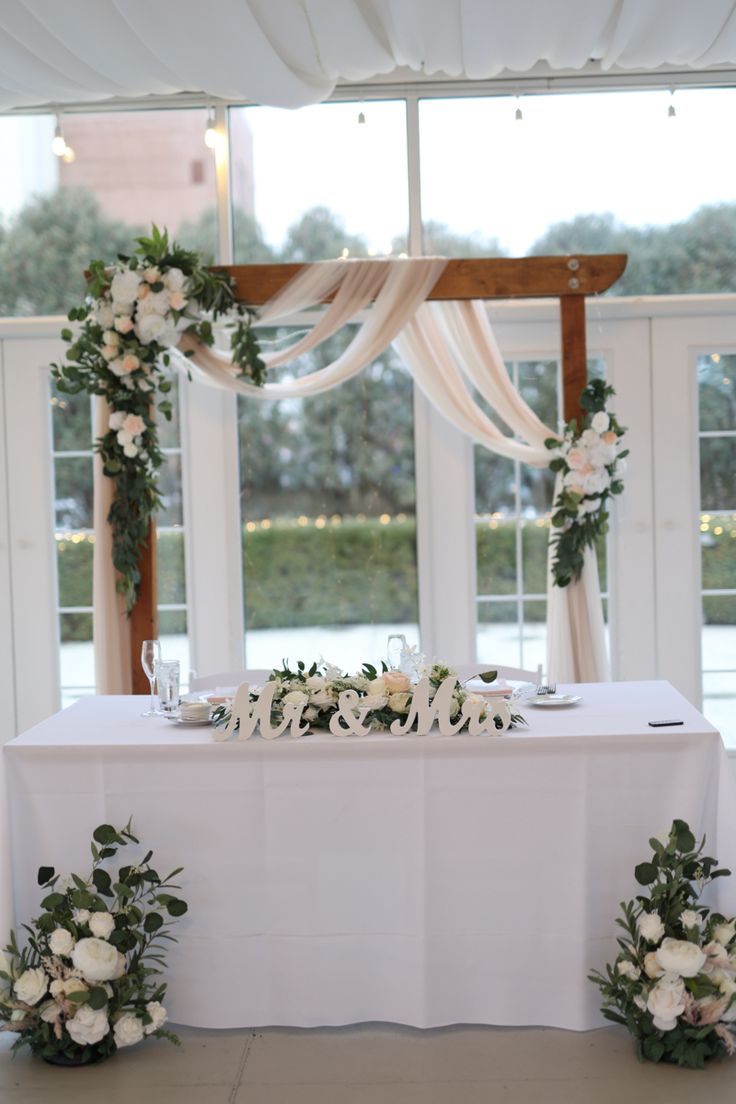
(449, 349)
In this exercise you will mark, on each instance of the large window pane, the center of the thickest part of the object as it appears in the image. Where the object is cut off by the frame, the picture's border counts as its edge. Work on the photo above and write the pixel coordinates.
(328, 511)
(352, 190)
(130, 169)
(717, 525)
(645, 182)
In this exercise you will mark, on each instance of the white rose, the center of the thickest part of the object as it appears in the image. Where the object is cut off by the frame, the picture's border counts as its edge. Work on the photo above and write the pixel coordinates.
(399, 702)
(61, 941)
(650, 927)
(373, 701)
(98, 960)
(31, 985)
(123, 323)
(321, 698)
(316, 682)
(88, 1026)
(666, 1002)
(640, 1002)
(627, 969)
(63, 987)
(589, 437)
(651, 967)
(50, 1011)
(111, 337)
(727, 986)
(104, 314)
(590, 505)
(130, 450)
(102, 924)
(677, 956)
(149, 328)
(296, 697)
(158, 1015)
(724, 933)
(174, 279)
(124, 287)
(600, 422)
(690, 919)
(115, 422)
(128, 1030)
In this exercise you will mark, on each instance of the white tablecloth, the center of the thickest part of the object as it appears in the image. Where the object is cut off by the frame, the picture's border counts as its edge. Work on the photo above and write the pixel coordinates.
(422, 881)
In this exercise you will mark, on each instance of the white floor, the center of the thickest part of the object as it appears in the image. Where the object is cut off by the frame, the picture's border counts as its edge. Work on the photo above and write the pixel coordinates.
(371, 1064)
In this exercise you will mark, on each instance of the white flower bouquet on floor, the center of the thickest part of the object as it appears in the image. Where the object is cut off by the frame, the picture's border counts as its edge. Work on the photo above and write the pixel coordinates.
(673, 984)
(88, 979)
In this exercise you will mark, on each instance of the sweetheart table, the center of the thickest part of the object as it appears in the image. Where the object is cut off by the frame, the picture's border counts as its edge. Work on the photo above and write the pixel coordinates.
(415, 880)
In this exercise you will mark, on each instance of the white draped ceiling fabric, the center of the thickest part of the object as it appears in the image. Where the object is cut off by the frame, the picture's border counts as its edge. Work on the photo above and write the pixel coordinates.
(289, 53)
(449, 349)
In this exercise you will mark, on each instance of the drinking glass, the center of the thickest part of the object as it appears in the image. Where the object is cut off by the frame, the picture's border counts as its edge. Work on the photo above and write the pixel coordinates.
(168, 687)
(396, 649)
(150, 660)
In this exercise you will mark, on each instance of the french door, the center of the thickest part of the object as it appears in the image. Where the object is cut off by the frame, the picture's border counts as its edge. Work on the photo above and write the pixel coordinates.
(670, 570)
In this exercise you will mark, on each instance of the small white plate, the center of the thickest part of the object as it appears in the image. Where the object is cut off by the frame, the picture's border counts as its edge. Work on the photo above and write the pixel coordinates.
(553, 699)
(176, 719)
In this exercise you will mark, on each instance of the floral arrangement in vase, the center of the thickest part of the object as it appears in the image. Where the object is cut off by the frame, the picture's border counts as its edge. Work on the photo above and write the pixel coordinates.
(88, 980)
(673, 983)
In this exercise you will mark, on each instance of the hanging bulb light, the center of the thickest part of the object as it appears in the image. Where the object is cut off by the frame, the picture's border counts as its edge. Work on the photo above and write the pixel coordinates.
(671, 113)
(58, 145)
(361, 115)
(210, 134)
(518, 114)
(68, 155)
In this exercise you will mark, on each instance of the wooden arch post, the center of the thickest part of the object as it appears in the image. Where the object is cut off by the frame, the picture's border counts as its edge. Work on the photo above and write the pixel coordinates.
(569, 279)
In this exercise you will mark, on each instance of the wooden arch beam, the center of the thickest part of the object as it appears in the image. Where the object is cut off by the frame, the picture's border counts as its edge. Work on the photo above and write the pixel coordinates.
(568, 278)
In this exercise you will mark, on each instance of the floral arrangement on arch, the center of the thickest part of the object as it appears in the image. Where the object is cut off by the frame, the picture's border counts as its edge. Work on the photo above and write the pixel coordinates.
(591, 463)
(673, 983)
(384, 695)
(89, 979)
(134, 314)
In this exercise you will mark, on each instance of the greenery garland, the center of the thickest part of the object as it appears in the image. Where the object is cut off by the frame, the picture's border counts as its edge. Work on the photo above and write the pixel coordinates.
(134, 313)
(591, 463)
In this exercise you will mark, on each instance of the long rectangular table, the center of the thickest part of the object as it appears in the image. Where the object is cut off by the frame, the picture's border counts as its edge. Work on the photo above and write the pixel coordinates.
(423, 881)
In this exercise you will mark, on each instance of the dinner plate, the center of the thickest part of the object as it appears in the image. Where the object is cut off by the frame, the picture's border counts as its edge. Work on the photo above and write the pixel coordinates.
(176, 719)
(553, 699)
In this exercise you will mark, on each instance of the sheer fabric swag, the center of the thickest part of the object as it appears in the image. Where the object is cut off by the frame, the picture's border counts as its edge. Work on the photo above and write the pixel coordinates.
(450, 350)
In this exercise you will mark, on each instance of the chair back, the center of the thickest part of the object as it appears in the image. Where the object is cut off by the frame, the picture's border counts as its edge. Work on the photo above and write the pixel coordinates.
(257, 675)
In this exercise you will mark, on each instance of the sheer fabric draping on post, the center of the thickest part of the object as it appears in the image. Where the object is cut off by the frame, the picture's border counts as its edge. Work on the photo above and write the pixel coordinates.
(448, 348)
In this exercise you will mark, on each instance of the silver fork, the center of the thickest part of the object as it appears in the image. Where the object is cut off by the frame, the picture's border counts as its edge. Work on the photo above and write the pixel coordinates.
(545, 688)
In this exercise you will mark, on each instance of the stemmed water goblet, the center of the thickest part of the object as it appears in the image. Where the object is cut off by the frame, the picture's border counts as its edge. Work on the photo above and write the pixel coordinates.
(150, 659)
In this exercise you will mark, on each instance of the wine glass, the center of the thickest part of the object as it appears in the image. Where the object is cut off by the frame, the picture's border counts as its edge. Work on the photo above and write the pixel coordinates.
(150, 659)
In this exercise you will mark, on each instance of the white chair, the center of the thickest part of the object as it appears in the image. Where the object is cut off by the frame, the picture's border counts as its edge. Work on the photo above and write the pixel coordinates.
(257, 675)
(469, 670)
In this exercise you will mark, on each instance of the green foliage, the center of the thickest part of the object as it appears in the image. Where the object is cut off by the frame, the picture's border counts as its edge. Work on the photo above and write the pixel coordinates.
(118, 927)
(678, 1017)
(579, 511)
(46, 248)
(117, 355)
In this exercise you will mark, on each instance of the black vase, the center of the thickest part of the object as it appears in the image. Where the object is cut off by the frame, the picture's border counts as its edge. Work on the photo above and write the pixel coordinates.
(65, 1060)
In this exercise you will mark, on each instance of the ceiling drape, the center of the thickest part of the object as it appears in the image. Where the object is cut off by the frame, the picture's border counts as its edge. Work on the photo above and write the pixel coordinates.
(289, 53)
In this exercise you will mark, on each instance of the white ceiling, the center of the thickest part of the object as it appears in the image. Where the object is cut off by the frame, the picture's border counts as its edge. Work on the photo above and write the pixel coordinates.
(289, 53)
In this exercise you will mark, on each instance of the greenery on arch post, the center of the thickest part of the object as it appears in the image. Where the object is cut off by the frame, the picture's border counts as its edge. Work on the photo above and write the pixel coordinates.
(134, 314)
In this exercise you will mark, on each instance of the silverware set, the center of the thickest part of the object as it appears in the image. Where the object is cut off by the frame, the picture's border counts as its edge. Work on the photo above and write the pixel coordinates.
(546, 688)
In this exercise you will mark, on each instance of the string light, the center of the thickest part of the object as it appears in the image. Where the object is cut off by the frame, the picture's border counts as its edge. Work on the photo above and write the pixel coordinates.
(210, 134)
(361, 116)
(59, 144)
(671, 113)
(518, 114)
